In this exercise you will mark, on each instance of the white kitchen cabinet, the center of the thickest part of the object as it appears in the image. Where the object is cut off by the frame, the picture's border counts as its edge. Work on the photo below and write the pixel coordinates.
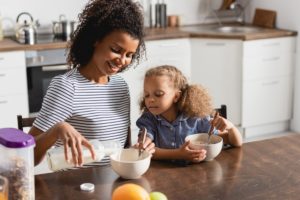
(174, 52)
(13, 90)
(217, 65)
(253, 78)
(268, 67)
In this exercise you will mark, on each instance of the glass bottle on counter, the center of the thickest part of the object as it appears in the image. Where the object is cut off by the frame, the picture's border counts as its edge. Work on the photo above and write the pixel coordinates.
(56, 157)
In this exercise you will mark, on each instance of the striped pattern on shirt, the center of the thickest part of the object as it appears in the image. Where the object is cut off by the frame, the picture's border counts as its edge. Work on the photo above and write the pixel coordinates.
(96, 111)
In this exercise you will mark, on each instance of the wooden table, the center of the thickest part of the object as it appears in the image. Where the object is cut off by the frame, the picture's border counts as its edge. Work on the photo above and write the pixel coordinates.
(266, 169)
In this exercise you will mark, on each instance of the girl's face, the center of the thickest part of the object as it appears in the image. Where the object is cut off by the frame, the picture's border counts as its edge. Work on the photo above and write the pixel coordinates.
(113, 53)
(160, 96)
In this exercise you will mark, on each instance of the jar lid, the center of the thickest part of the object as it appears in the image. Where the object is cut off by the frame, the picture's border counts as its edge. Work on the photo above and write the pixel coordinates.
(15, 138)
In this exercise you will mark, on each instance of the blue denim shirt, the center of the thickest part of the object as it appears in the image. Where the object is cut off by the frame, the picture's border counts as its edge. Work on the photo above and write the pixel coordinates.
(172, 135)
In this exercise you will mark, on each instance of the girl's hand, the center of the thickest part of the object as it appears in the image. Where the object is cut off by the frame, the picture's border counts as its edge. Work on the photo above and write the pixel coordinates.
(148, 145)
(222, 124)
(73, 141)
(194, 155)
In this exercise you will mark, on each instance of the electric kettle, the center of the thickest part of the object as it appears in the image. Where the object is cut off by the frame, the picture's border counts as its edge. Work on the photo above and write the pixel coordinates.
(26, 31)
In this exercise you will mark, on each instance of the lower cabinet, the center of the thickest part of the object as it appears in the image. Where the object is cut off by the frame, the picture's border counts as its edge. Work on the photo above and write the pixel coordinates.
(13, 90)
(253, 78)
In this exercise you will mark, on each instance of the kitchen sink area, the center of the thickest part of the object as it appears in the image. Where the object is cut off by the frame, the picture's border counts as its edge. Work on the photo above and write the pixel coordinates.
(238, 29)
(226, 29)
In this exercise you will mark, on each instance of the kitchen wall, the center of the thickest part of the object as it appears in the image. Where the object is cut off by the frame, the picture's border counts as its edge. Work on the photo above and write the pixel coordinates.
(288, 16)
(190, 11)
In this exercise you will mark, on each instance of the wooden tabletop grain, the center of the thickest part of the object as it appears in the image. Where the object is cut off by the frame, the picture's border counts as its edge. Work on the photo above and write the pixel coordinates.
(267, 169)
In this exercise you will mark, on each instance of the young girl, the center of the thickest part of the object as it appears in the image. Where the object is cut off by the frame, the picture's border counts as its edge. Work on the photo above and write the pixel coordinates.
(173, 109)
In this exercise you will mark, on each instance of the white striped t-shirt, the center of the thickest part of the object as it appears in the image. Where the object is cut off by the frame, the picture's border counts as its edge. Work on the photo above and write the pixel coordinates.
(96, 111)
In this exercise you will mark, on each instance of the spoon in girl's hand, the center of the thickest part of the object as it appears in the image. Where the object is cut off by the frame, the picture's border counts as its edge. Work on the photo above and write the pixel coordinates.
(212, 127)
(141, 139)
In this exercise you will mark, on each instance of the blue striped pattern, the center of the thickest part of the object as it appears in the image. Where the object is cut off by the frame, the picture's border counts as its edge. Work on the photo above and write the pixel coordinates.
(96, 111)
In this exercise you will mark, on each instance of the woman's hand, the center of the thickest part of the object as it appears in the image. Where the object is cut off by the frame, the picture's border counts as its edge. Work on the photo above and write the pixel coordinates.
(148, 145)
(73, 141)
(193, 155)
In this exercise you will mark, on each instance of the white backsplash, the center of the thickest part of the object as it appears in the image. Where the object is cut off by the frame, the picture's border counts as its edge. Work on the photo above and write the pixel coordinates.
(190, 11)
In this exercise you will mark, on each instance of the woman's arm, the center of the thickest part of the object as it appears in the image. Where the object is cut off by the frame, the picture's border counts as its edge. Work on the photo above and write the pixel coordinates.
(43, 141)
(71, 139)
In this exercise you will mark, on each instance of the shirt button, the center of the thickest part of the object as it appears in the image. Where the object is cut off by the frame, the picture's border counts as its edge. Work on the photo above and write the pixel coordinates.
(171, 128)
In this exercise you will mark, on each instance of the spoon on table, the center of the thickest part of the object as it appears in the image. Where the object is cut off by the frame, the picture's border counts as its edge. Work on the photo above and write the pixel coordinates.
(212, 127)
(141, 139)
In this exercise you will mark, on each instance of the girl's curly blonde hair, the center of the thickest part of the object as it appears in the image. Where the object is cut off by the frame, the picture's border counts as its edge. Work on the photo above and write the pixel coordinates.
(194, 101)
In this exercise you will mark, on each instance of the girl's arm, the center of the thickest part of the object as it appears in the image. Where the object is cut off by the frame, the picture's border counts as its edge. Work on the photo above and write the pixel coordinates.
(230, 134)
(182, 153)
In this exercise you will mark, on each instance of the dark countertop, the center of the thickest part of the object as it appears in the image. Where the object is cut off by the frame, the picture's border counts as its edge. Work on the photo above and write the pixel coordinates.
(265, 169)
(196, 31)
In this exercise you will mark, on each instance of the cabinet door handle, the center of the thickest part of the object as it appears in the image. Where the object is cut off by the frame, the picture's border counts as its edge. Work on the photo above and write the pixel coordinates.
(2, 75)
(50, 68)
(271, 44)
(271, 59)
(1, 58)
(270, 83)
(215, 44)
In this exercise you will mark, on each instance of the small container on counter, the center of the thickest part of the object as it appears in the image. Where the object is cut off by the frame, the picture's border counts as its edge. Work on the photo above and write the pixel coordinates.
(56, 156)
(17, 163)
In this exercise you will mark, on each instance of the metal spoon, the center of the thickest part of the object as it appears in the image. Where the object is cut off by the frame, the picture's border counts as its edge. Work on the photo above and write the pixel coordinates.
(141, 139)
(212, 127)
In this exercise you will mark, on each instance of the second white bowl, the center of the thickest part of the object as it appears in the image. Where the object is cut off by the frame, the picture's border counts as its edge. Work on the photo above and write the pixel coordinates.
(199, 141)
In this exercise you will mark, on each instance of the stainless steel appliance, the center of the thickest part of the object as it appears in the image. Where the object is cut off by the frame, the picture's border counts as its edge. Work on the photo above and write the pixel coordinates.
(42, 66)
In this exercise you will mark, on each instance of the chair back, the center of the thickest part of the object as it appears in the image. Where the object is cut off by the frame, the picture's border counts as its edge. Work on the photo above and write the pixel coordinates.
(222, 111)
(24, 122)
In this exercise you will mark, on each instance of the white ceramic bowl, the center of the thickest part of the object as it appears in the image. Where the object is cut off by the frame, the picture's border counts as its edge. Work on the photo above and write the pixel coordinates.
(199, 141)
(127, 163)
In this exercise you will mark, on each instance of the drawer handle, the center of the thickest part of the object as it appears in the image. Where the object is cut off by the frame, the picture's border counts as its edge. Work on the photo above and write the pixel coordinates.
(270, 83)
(34, 60)
(271, 44)
(215, 44)
(2, 75)
(3, 102)
(1, 58)
(271, 59)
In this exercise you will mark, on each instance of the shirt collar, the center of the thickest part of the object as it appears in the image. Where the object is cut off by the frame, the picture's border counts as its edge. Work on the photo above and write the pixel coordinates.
(179, 119)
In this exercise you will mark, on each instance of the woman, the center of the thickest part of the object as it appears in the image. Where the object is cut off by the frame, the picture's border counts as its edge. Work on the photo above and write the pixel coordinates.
(90, 101)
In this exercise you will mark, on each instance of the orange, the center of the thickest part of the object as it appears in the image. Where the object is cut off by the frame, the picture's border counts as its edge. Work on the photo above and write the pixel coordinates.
(130, 191)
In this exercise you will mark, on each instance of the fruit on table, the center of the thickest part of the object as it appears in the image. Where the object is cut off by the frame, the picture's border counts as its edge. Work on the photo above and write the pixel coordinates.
(130, 191)
(158, 196)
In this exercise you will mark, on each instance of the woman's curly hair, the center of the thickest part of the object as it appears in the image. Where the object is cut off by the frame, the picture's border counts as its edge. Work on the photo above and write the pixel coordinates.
(98, 19)
(194, 101)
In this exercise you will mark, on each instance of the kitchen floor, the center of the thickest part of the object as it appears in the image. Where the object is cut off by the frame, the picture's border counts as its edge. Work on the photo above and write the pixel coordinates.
(42, 168)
